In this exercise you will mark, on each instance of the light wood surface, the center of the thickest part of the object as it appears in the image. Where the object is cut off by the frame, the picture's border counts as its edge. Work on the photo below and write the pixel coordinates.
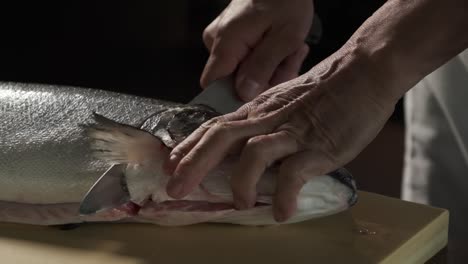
(377, 229)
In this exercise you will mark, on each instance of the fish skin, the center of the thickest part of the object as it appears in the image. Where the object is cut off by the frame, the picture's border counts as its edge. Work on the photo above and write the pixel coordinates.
(47, 161)
(45, 156)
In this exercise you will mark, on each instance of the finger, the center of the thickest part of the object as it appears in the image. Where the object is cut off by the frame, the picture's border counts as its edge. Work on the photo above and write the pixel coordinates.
(258, 154)
(290, 67)
(294, 172)
(256, 70)
(179, 151)
(188, 143)
(210, 32)
(235, 33)
(211, 149)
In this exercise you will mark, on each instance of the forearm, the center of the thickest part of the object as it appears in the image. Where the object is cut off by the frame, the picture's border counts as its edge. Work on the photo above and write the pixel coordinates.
(406, 40)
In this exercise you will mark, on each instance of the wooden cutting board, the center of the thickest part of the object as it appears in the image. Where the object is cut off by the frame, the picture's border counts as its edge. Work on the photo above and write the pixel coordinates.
(377, 229)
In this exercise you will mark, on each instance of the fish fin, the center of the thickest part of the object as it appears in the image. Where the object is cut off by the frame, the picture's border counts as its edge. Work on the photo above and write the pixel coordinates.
(118, 143)
(159, 122)
(165, 137)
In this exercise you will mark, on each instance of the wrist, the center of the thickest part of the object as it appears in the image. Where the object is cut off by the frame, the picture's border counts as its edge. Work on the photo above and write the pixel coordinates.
(395, 51)
(354, 72)
(377, 68)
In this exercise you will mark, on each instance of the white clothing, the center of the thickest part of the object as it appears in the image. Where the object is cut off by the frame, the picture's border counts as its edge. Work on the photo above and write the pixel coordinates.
(436, 154)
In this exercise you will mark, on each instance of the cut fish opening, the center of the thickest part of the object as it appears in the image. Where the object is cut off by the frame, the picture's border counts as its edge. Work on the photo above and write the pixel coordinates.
(180, 205)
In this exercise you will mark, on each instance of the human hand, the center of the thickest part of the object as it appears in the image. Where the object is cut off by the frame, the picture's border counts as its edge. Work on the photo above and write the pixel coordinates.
(313, 125)
(262, 39)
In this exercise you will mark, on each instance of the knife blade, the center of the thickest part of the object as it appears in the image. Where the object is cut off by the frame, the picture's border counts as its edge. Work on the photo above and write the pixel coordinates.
(106, 192)
(220, 95)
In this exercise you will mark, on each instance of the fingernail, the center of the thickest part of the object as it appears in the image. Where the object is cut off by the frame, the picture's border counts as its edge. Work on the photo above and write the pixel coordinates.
(248, 89)
(241, 204)
(175, 188)
(173, 157)
(280, 216)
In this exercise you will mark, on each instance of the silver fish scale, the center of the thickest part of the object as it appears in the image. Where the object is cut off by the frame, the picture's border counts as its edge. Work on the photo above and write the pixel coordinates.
(45, 157)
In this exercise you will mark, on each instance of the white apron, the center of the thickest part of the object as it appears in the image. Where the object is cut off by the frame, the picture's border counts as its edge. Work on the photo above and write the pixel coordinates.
(436, 154)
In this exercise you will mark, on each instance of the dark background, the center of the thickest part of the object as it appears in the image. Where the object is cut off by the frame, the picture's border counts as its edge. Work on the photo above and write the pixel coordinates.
(154, 48)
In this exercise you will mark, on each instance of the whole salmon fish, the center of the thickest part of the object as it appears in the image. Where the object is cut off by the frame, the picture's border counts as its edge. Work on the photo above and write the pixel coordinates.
(56, 141)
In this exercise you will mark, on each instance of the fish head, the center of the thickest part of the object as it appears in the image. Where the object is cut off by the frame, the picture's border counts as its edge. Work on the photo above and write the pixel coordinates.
(140, 151)
(173, 124)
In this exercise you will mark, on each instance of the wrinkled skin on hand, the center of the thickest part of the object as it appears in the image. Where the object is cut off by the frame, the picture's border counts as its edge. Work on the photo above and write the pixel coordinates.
(262, 41)
(313, 125)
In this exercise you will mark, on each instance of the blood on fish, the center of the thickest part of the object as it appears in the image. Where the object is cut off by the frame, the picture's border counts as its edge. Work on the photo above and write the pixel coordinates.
(130, 208)
(191, 206)
(183, 206)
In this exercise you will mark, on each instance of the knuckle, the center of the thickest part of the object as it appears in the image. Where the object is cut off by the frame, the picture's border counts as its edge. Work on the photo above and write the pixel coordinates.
(223, 130)
(261, 106)
(184, 166)
(257, 142)
(191, 156)
(212, 122)
(291, 132)
(225, 33)
(292, 176)
(181, 150)
(224, 28)
(257, 148)
(207, 37)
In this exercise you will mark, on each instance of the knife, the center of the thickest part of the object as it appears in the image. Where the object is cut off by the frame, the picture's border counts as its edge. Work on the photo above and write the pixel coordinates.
(108, 191)
(219, 95)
